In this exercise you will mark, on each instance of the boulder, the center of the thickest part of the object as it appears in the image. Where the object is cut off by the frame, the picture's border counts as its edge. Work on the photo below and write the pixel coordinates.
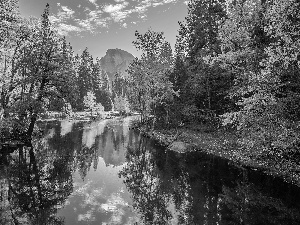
(179, 146)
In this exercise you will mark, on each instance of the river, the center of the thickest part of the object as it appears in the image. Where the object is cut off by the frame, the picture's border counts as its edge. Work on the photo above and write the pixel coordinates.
(103, 172)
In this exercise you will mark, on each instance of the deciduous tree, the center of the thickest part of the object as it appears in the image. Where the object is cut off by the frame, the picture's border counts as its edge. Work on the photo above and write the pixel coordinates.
(89, 101)
(150, 88)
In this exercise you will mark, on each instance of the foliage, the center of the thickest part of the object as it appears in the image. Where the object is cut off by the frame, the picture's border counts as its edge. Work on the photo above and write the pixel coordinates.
(197, 40)
(238, 60)
(84, 73)
(91, 78)
(265, 89)
(68, 111)
(89, 101)
(149, 87)
(36, 65)
(121, 104)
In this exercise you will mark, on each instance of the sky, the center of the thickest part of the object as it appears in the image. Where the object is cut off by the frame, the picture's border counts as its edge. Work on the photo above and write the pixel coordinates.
(108, 24)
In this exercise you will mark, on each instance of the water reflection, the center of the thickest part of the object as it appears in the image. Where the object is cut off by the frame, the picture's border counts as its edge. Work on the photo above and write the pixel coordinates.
(69, 176)
(33, 185)
(194, 188)
(99, 195)
(104, 173)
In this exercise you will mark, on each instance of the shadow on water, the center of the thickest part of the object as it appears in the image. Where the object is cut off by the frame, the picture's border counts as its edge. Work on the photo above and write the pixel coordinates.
(105, 173)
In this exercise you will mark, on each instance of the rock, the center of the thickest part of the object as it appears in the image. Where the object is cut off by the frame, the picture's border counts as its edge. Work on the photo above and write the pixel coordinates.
(116, 61)
(179, 146)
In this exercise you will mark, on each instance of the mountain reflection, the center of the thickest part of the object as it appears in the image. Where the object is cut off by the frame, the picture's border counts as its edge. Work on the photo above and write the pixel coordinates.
(104, 173)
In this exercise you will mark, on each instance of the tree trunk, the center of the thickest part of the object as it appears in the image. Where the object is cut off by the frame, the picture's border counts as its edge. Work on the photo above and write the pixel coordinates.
(112, 104)
(32, 123)
(34, 115)
(208, 93)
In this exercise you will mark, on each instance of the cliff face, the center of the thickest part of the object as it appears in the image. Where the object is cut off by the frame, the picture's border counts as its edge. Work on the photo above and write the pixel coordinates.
(116, 61)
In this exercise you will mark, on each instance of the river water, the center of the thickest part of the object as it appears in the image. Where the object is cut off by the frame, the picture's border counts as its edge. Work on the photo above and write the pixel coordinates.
(103, 172)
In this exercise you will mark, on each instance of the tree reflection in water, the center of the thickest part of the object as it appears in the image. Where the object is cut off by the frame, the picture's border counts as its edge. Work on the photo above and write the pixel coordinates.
(143, 181)
(193, 188)
(248, 205)
(32, 187)
(36, 181)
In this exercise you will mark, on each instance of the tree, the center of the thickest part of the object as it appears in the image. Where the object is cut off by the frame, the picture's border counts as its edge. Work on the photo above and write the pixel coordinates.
(242, 54)
(260, 42)
(48, 68)
(13, 34)
(89, 101)
(198, 39)
(149, 86)
(97, 81)
(36, 64)
(85, 79)
(121, 104)
(9, 20)
(105, 93)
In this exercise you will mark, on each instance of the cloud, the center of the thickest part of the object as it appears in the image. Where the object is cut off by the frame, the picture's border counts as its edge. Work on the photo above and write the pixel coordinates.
(85, 25)
(90, 16)
(114, 8)
(64, 13)
(169, 1)
(144, 5)
(93, 21)
(119, 13)
(94, 2)
(62, 20)
(67, 10)
(68, 22)
(66, 29)
(116, 11)
(157, 4)
(54, 19)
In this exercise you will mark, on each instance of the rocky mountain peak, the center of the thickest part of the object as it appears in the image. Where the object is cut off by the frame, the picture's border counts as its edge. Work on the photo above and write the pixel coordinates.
(116, 61)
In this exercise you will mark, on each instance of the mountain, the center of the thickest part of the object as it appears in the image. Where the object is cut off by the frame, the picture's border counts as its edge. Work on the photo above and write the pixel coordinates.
(116, 61)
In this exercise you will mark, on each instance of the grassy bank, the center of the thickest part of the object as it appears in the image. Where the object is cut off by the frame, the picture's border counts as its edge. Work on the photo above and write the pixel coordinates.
(226, 144)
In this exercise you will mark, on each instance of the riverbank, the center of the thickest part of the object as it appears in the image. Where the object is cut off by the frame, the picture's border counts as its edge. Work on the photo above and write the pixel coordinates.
(82, 115)
(225, 144)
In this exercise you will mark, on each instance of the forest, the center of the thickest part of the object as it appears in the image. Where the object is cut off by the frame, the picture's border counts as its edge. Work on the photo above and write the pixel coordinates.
(235, 66)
